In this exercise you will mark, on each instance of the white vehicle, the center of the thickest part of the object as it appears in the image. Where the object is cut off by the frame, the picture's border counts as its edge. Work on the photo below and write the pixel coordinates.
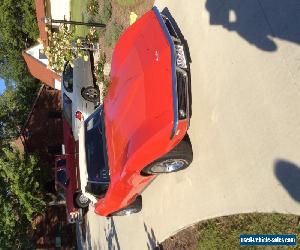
(79, 94)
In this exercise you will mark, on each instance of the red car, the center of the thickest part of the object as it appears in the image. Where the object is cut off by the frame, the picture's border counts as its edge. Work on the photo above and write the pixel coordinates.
(67, 177)
(141, 129)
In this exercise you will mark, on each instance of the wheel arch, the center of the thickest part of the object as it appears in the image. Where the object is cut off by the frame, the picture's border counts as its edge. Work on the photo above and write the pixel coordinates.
(148, 147)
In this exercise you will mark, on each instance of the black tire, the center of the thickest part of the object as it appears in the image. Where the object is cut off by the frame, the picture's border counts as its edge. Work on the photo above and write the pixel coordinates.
(81, 200)
(90, 94)
(177, 159)
(133, 208)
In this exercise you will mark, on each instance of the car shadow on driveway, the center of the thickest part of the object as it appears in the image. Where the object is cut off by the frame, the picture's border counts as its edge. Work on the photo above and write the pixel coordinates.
(111, 235)
(289, 175)
(111, 241)
(258, 21)
(152, 242)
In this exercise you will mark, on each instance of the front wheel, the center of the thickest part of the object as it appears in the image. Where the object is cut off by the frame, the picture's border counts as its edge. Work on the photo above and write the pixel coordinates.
(90, 94)
(81, 200)
(177, 159)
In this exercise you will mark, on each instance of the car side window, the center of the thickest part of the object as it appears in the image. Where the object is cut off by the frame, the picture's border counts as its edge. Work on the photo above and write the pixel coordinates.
(68, 78)
(62, 177)
(67, 108)
(61, 163)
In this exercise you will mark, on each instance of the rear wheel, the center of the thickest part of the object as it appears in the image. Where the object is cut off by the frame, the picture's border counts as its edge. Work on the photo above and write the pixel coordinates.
(90, 94)
(177, 159)
(81, 200)
(133, 208)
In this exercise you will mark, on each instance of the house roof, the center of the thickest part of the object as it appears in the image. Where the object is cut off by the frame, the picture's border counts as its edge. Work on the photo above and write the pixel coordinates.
(40, 71)
(32, 109)
(19, 142)
(45, 96)
(40, 14)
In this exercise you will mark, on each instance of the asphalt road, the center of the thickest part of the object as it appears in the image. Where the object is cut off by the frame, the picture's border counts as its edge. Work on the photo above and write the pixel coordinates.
(245, 128)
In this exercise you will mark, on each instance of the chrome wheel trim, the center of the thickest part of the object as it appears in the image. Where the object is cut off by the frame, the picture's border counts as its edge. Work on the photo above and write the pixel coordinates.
(91, 93)
(83, 199)
(168, 166)
(126, 212)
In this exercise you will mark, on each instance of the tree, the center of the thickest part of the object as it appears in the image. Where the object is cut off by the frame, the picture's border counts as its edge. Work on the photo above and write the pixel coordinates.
(15, 104)
(20, 191)
(18, 29)
(20, 197)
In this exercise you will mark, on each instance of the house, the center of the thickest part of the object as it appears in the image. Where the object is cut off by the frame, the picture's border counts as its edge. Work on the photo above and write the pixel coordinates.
(36, 61)
(42, 131)
(37, 64)
(42, 134)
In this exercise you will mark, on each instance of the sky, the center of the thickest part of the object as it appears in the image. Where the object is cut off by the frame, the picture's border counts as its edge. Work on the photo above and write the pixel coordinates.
(2, 86)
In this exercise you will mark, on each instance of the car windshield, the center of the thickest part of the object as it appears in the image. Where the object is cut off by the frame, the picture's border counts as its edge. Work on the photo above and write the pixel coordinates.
(62, 177)
(68, 77)
(67, 108)
(97, 166)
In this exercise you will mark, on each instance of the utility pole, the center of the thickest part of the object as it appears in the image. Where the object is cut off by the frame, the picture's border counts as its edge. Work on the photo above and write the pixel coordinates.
(49, 20)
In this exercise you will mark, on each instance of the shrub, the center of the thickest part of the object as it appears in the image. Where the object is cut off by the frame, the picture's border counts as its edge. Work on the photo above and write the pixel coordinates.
(127, 3)
(105, 87)
(105, 11)
(92, 7)
(113, 32)
(100, 68)
(63, 47)
(101, 79)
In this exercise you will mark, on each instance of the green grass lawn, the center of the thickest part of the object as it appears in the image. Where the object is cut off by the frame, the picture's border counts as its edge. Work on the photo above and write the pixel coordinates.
(224, 232)
(127, 2)
(79, 13)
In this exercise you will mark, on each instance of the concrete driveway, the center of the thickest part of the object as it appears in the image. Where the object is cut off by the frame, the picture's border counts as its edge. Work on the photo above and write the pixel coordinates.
(245, 128)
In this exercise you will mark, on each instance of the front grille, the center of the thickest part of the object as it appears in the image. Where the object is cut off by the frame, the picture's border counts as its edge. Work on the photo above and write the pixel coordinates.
(182, 83)
(170, 28)
(181, 74)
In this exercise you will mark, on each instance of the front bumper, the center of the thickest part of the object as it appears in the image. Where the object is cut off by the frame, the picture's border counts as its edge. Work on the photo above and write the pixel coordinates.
(180, 76)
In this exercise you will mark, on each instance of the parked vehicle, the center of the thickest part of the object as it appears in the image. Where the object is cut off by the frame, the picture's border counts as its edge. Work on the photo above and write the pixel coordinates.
(67, 177)
(79, 93)
(141, 129)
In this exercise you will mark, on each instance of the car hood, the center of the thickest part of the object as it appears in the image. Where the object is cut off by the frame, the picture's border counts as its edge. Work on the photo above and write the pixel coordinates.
(141, 88)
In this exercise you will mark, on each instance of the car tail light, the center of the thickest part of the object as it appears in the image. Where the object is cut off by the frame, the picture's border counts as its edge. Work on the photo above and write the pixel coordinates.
(79, 116)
